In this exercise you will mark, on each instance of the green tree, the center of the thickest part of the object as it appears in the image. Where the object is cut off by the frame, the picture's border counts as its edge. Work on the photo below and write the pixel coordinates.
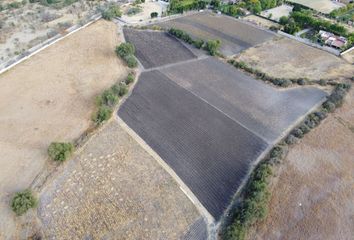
(23, 201)
(212, 46)
(125, 49)
(111, 12)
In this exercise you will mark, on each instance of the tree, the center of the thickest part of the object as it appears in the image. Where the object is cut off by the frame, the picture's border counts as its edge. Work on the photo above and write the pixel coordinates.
(283, 20)
(103, 114)
(215, 4)
(111, 12)
(60, 151)
(23, 201)
(125, 49)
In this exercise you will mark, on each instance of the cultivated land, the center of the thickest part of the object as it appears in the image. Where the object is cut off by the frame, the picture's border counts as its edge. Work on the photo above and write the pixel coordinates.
(267, 112)
(154, 49)
(209, 151)
(51, 98)
(114, 188)
(283, 57)
(235, 35)
(194, 116)
(324, 6)
(313, 195)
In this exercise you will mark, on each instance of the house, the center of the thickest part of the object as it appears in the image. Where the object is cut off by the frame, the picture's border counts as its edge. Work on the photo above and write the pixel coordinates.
(332, 40)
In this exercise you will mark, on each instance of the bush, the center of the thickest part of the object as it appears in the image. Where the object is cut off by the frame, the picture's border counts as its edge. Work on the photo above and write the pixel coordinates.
(122, 89)
(212, 46)
(125, 49)
(131, 61)
(103, 114)
(297, 132)
(133, 11)
(329, 106)
(154, 15)
(60, 151)
(130, 79)
(304, 128)
(198, 43)
(23, 201)
(276, 152)
(291, 139)
(108, 97)
(111, 12)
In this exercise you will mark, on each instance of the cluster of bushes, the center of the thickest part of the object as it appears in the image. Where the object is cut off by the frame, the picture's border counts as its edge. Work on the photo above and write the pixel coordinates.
(212, 46)
(345, 13)
(109, 98)
(126, 51)
(23, 201)
(179, 6)
(154, 15)
(255, 199)
(111, 12)
(60, 151)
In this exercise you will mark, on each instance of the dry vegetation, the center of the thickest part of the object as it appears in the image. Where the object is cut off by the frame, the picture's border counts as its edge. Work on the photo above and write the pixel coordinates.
(313, 194)
(114, 188)
(51, 98)
(287, 58)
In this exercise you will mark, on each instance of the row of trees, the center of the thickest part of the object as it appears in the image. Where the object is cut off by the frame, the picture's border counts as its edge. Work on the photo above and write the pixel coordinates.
(212, 46)
(180, 6)
(126, 51)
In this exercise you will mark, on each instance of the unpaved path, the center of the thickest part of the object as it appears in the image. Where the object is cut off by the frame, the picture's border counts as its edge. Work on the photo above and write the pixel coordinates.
(50, 97)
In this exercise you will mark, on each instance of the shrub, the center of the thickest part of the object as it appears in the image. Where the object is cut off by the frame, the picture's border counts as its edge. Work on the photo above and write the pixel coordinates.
(111, 12)
(125, 49)
(212, 46)
(131, 61)
(154, 15)
(304, 128)
(60, 151)
(329, 106)
(276, 152)
(130, 79)
(103, 114)
(321, 115)
(23, 201)
(297, 133)
(198, 43)
(122, 89)
(322, 82)
(302, 81)
(108, 97)
(291, 139)
(133, 11)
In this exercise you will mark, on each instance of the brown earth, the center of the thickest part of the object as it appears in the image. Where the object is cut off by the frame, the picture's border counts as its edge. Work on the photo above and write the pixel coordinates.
(313, 194)
(114, 189)
(50, 97)
(283, 57)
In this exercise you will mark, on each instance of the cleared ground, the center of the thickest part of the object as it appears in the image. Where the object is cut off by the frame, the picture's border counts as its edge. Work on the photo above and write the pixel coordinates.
(278, 12)
(265, 111)
(50, 97)
(210, 152)
(234, 34)
(114, 189)
(283, 57)
(324, 6)
(313, 196)
(155, 49)
(147, 8)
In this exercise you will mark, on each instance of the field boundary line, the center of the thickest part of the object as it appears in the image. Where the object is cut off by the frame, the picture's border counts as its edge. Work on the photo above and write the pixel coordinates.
(184, 188)
(49, 43)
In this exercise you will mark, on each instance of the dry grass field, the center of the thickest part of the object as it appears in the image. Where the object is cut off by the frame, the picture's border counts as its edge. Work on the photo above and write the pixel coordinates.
(313, 193)
(114, 189)
(50, 97)
(324, 6)
(283, 57)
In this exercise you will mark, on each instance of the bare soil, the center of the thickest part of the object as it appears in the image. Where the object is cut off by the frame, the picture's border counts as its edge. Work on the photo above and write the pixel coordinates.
(283, 57)
(313, 195)
(114, 188)
(50, 97)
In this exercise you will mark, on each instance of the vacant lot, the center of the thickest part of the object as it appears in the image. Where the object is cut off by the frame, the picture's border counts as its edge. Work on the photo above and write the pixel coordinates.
(210, 152)
(234, 34)
(264, 110)
(147, 8)
(313, 195)
(278, 12)
(324, 6)
(283, 57)
(50, 97)
(114, 188)
(155, 49)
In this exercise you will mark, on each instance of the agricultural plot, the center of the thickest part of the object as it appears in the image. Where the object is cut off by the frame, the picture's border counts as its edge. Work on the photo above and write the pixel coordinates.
(323, 6)
(234, 34)
(209, 151)
(267, 112)
(155, 49)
